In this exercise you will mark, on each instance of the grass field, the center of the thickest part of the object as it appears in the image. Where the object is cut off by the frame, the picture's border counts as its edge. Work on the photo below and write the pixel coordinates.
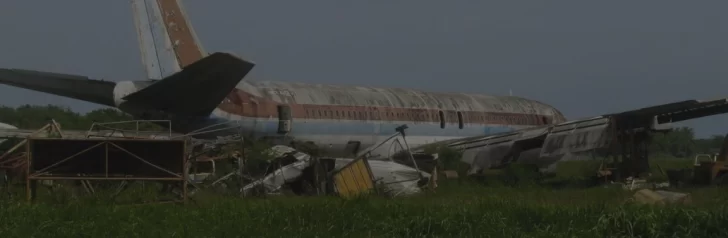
(459, 208)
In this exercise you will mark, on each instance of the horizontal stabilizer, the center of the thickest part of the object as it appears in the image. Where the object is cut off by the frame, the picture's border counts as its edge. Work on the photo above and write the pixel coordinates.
(66, 85)
(197, 89)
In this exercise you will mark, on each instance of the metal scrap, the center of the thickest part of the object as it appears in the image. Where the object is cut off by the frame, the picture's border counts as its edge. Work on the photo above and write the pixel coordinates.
(291, 162)
(395, 179)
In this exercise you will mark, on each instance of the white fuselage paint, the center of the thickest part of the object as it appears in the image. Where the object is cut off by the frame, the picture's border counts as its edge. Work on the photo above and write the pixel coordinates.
(260, 127)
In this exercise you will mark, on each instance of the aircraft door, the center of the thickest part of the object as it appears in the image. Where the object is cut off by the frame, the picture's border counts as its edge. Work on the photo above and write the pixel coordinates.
(284, 119)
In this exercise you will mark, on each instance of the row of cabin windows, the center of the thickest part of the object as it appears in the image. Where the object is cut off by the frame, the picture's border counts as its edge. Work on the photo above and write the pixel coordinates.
(471, 117)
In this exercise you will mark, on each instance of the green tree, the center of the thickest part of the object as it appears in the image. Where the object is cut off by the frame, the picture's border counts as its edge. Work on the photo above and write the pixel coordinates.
(35, 116)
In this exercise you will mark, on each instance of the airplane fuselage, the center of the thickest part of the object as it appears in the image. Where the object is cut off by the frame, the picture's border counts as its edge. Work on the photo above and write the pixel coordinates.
(341, 117)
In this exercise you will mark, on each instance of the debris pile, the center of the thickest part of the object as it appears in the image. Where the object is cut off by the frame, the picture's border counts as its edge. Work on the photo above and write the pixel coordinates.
(374, 170)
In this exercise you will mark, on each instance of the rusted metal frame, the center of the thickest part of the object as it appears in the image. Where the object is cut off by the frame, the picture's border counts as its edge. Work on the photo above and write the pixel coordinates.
(31, 179)
(105, 125)
(143, 160)
(104, 139)
(11, 161)
(122, 122)
(176, 178)
(185, 176)
(63, 160)
(204, 132)
(57, 127)
(86, 183)
(88, 135)
(106, 159)
(28, 193)
(214, 125)
(22, 143)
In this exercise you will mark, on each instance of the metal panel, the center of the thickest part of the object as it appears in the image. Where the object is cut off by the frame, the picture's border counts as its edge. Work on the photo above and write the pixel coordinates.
(354, 179)
(576, 137)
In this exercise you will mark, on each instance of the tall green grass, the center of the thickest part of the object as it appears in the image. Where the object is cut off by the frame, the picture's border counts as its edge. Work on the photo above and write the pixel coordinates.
(459, 208)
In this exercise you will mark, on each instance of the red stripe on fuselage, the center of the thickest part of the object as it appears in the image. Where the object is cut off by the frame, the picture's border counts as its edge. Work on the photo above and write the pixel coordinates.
(244, 104)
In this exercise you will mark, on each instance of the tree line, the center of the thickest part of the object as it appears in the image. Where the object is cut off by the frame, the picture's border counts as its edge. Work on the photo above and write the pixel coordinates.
(680, 142)
(36, 116)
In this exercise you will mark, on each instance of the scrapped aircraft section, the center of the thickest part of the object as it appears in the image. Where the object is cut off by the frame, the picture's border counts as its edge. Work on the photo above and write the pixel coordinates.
(371, 172)
(623, 136)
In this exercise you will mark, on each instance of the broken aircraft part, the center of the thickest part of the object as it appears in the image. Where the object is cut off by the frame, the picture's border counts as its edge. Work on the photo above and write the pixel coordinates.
(570, 140)
(354, 178)
(291, 163)
(350, 177)
(396, 179)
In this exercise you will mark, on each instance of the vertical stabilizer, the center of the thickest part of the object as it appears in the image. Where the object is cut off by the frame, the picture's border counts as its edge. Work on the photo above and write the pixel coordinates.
(166, 39)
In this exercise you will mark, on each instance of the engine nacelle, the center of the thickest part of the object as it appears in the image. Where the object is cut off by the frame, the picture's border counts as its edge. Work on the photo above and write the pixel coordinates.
(122, 89)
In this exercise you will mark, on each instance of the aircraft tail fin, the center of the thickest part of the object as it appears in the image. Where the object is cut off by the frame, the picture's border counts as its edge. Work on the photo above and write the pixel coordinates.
(197, 89)
(167, 40)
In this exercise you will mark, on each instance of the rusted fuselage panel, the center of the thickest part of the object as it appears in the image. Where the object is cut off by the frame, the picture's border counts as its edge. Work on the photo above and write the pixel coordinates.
(259, 99)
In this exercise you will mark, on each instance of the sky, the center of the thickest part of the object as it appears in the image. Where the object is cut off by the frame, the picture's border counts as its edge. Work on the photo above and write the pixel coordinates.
(586, 58)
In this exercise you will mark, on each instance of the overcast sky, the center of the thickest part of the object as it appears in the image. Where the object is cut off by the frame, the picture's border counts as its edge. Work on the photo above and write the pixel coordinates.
(584, 57)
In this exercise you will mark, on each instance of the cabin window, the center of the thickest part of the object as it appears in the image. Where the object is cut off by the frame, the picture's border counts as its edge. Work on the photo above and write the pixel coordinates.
(544, 120)
(460, 120)
(442, 119)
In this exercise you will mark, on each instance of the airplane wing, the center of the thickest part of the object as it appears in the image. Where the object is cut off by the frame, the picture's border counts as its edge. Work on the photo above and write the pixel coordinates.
(66, 85)
(546, 145)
